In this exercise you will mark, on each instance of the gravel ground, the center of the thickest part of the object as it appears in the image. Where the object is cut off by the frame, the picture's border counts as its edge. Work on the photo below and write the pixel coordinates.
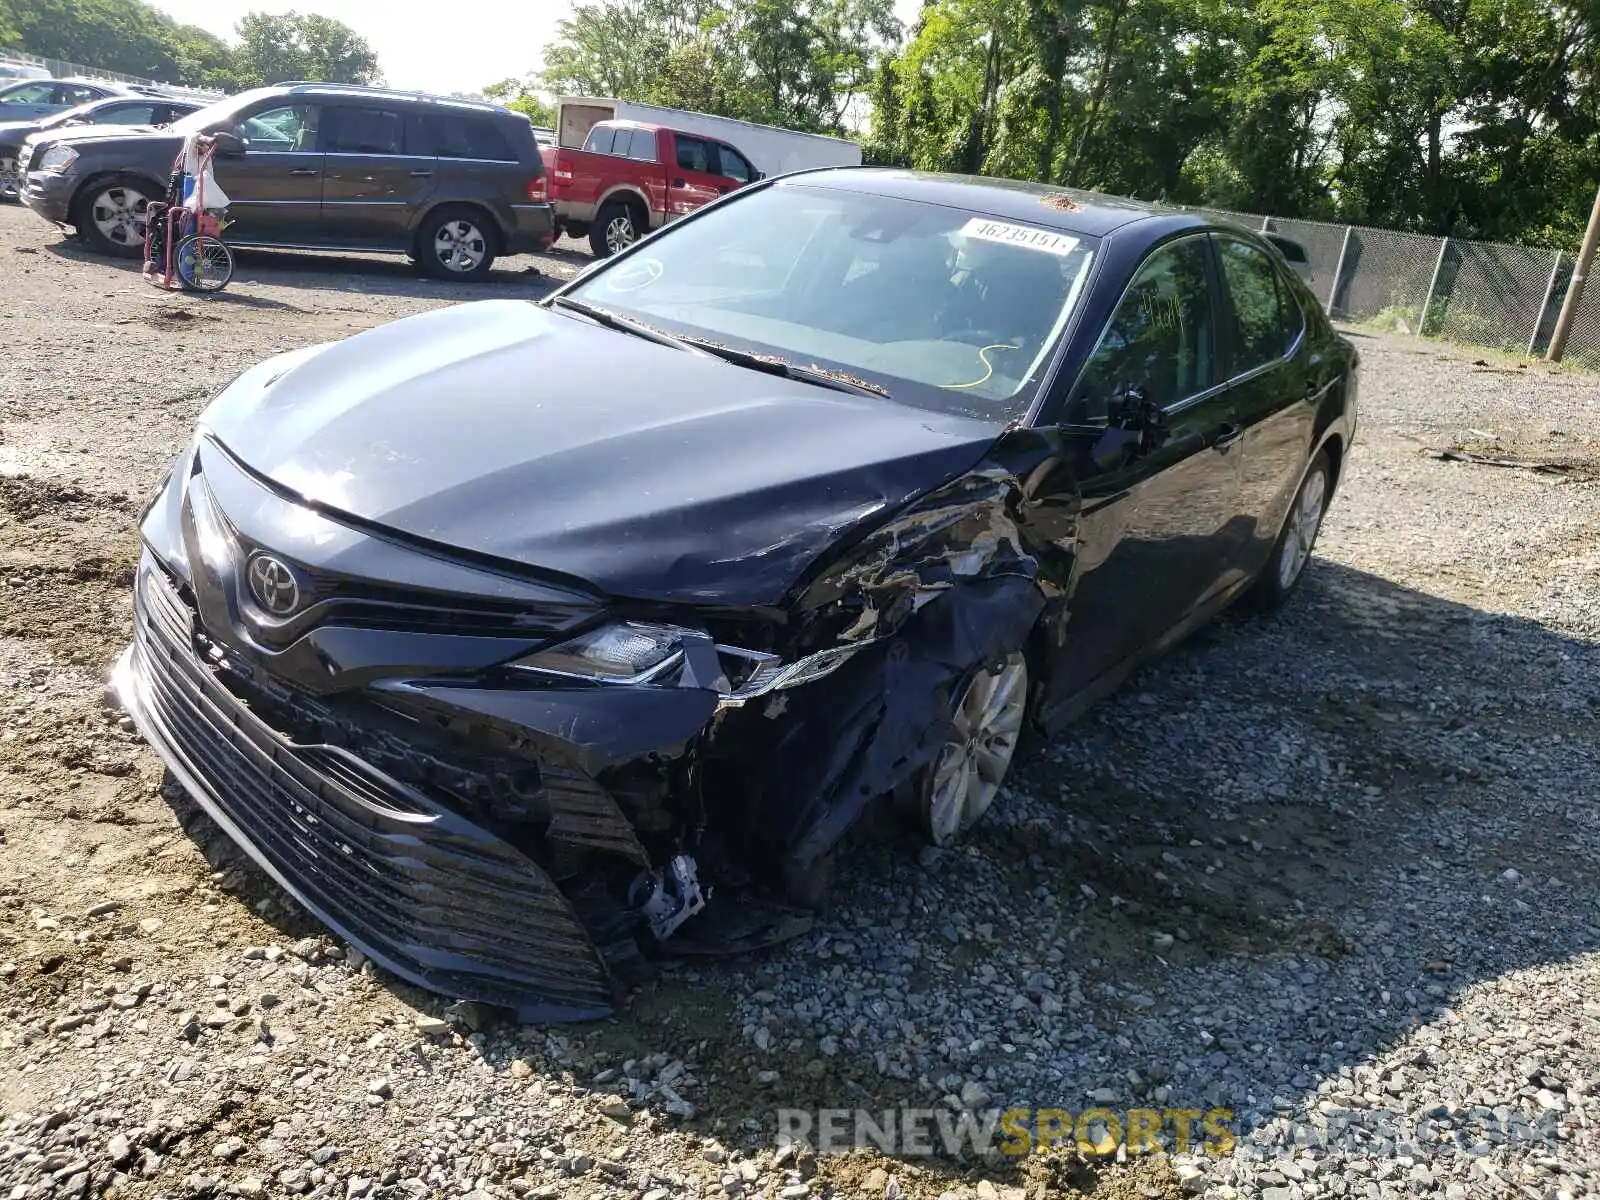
(1330, 872)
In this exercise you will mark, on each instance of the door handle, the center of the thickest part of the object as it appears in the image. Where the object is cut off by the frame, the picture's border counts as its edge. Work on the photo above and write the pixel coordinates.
(1226, 436)
(421, 174)
(679, 183)
(303, 171)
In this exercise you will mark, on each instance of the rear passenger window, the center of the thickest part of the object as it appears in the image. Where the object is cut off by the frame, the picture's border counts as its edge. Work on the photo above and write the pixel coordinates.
(364, 131)
(601, 139)
(643, 146)
(1261, 307)
(622, 146)
(126, 114)
(461, 136)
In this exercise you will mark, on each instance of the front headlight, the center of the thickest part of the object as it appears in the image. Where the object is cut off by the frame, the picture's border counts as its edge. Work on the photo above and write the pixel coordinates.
(627, 652)
(58, 159)
(638, 652)
(158, 490)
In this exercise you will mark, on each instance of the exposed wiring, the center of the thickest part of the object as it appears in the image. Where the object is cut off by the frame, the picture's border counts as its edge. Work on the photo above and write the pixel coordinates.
(988, 373)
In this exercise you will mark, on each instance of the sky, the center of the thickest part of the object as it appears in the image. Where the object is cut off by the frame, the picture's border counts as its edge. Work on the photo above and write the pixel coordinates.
(436, 49)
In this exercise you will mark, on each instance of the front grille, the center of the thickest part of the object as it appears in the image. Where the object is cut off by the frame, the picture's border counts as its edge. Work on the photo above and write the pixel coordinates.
(428, 894)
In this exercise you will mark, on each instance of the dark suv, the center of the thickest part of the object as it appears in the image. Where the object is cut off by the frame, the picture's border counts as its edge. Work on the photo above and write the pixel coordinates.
(451, 183)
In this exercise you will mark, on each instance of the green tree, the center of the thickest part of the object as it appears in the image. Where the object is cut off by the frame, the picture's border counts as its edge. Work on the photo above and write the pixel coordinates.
(115, 35)
(277, 47)
(790, 62)
(10, 30)
(520, 96)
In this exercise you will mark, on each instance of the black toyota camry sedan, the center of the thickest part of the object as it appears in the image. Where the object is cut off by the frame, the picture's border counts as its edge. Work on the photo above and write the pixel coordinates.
(527, 643)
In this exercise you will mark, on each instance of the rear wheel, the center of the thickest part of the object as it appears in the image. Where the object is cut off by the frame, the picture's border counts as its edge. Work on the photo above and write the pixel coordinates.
(618, 226)
(457, 243)
(10, 180)
(204, 263)
(111, 214)
(1293, 548)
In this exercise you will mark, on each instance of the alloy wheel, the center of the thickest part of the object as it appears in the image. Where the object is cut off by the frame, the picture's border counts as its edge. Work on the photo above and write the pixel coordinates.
(985, 729)
(460, 246)
(1305, 519)
(620, 233)
(10, 180)
(119, 213)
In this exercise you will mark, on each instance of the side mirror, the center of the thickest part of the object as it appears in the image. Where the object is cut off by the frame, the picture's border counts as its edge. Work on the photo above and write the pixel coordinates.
(1137, 426)
(1115, 447)
(228, 144)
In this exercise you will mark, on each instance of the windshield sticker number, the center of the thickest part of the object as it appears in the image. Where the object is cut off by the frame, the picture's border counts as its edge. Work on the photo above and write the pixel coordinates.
(1020, 235)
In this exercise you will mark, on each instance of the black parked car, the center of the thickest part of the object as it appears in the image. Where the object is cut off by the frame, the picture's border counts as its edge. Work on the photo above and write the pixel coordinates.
(518, 640)
(114, 110)
(451, 183)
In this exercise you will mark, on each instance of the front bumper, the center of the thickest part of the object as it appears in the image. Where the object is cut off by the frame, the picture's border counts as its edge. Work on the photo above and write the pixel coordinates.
(532, 228)
(49, 195)
(431, 896)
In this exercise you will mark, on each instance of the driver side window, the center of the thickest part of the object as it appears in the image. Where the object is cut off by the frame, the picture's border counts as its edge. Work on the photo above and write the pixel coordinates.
(287, 129)
(1159, 339)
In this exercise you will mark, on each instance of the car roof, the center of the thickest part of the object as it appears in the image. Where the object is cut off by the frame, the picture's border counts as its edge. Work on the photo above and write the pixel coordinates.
(307, 87)
(1068, 209)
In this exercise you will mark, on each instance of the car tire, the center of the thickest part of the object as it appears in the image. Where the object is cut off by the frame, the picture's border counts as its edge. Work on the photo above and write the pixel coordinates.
(10, 180)
(457, 243)
(108, 214)
(617, 226)
(1296, 539)
(809, 887)
(988, 720)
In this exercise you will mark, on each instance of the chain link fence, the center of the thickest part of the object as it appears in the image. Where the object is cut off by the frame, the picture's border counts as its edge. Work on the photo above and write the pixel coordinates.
(60, 68)
(1478, 293)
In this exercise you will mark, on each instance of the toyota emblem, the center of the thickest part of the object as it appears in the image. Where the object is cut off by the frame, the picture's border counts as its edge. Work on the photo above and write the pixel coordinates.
(273, 585)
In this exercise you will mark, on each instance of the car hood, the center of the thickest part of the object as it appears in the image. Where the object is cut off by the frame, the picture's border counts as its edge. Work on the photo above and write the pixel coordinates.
(77, 134)
(530, 435)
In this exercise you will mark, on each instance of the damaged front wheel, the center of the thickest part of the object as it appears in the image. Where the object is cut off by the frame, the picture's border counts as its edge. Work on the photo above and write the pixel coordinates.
(985, 727)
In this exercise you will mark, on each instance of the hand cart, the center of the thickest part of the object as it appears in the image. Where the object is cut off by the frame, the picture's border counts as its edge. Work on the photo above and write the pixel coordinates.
(183, 246)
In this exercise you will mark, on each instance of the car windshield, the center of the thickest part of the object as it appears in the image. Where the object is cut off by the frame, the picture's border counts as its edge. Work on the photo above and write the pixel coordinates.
(943, 308)
(222, 114)
(27, 93)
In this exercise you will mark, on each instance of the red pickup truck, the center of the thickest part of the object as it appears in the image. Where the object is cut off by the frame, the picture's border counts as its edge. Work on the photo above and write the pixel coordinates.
(631, 178)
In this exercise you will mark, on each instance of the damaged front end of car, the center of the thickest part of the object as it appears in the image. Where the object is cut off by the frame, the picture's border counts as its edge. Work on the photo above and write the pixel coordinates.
(508, 787)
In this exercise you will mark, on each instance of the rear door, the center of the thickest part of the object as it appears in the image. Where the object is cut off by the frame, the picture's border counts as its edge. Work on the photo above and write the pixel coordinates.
(275, 187)
(378, 171)
(693, 177)
(581, 191)
(1159, 532)
(1273, 382)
